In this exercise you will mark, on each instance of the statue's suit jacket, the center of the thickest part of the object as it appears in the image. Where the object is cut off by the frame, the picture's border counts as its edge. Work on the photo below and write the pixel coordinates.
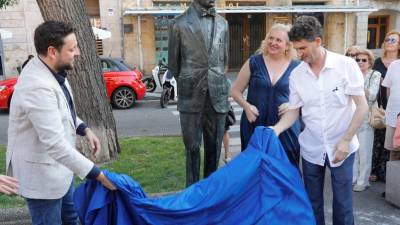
(199, 68)
(41, 151)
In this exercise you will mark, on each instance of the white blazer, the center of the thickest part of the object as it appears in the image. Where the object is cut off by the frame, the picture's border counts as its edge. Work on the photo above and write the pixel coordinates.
(41, 151)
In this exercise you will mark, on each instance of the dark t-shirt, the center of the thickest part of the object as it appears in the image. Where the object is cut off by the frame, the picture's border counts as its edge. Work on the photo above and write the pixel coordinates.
(382, 95)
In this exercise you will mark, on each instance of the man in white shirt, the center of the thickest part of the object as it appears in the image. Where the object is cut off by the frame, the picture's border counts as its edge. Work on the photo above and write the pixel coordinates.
(329, 90)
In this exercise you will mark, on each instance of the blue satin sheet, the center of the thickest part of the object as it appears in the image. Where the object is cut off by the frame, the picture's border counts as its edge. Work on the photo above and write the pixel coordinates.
(260, 186)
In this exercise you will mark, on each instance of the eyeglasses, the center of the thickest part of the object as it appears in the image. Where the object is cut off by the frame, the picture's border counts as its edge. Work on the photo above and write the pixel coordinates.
(391, 40)
(362, 60)
(351, 55)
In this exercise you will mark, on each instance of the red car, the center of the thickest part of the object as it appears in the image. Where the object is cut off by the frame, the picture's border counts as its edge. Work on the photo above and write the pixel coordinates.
(124, 85)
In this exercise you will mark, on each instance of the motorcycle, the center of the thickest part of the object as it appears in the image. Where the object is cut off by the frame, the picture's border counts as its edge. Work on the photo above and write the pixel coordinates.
(170, 89)
(154, 81)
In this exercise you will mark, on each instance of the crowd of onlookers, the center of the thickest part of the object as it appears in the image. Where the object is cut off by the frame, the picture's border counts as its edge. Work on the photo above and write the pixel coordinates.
(382, 90)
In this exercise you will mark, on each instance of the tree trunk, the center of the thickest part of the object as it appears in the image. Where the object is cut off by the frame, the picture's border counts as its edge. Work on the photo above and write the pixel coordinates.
(86, 79)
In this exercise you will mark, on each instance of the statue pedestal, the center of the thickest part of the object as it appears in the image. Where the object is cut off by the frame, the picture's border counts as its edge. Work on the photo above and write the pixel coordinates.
(392, 182)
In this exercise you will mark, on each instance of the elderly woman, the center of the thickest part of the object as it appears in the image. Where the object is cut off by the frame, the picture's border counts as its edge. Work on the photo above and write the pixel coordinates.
(266, 74)
(363, 157)
(352, 51)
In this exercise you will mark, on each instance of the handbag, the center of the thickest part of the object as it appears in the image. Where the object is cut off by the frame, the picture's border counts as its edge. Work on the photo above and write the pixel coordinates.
(396, 136)
(376, 115)
(230, 117)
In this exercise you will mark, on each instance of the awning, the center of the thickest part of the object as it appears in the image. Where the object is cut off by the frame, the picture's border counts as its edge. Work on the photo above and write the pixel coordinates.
(258, 9)
(100, 33)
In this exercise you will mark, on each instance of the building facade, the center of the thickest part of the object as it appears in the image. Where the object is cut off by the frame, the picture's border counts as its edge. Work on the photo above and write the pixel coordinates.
(345, 22)
(140, 27)
(22, 19)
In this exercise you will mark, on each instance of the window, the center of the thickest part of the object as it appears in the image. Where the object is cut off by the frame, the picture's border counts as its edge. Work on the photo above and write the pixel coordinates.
(109, 66)
(377, 29)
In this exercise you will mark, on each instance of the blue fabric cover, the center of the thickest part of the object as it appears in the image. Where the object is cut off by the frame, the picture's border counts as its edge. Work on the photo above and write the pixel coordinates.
(260, 186)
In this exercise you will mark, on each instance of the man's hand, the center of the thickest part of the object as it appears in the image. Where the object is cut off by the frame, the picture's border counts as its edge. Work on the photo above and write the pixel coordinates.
(275, 129)
(283, 108)
(93, 140)
(8, 185)
(251, 113)
(105, 182)
(342, 150)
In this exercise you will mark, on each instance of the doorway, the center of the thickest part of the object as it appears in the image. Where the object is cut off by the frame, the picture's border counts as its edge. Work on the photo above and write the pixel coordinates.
(246, 31)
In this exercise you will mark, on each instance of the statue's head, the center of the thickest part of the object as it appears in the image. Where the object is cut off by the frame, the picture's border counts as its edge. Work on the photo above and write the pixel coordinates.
(206, 3)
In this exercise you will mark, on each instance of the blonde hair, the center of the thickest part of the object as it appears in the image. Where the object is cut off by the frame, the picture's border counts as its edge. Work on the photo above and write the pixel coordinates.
(354, 48)
(384, 52)
(290, 53)
(369, 54)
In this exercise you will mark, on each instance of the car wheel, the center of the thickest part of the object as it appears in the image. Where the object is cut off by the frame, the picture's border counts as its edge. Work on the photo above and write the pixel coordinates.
(123, 98)
(150, 84)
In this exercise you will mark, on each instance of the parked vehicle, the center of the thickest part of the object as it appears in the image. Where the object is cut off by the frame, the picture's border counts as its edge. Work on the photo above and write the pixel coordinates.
(6, 90)
(156, 73)
(123, 84)
(170, 89)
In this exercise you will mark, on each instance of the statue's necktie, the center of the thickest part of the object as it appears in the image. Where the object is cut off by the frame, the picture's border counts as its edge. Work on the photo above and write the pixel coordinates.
(208, 12)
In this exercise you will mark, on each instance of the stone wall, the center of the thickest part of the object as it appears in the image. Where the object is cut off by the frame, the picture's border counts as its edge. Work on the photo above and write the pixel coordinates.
(21, 20)
(140, 51)
(111, 19)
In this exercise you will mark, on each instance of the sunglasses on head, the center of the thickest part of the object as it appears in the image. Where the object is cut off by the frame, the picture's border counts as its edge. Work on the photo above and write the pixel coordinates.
(362, 60)
(351, 55)
(391, 40)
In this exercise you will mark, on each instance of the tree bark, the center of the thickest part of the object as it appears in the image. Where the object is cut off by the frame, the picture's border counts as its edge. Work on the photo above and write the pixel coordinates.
(86, 78)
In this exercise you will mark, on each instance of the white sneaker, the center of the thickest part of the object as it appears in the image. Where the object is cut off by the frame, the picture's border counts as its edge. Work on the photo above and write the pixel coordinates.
(358, 188)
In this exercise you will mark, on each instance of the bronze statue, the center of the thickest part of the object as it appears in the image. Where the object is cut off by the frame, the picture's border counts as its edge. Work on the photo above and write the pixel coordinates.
(198, 58)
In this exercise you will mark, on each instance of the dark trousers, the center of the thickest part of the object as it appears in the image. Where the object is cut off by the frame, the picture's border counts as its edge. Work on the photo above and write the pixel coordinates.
(209, 124)
(341, 178)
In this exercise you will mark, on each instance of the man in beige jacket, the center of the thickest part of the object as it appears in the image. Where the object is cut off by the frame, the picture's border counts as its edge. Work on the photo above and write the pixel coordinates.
(43, 125)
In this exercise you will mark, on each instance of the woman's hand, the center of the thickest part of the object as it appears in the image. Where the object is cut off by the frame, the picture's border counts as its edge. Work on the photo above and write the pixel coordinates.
(251, 113)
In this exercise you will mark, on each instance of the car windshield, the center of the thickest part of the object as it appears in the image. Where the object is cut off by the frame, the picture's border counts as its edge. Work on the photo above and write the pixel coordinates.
(114, 65)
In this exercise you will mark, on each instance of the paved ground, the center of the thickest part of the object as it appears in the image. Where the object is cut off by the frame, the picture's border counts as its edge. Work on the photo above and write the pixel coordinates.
(148, 119)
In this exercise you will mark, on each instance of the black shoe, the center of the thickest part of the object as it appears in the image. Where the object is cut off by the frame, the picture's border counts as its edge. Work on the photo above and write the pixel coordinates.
(383, 195)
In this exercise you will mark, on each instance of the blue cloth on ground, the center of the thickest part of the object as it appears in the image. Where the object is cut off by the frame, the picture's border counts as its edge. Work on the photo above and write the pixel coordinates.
(260, 186)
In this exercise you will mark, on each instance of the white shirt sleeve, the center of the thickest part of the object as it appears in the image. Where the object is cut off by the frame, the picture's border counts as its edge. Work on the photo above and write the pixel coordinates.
(354, 79)
(295, 100)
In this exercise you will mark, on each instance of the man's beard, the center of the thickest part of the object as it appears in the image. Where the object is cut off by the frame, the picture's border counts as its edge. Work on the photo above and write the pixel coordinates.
(63, 67)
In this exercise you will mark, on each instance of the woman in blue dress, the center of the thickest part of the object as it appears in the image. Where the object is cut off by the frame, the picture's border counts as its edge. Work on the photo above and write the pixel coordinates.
(266, 75)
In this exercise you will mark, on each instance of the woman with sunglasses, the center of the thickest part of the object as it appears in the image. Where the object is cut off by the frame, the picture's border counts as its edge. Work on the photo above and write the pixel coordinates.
(390, 53)
(365, 134)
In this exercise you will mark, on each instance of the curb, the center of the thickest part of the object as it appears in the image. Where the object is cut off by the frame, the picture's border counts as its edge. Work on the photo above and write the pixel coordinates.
(15, 216)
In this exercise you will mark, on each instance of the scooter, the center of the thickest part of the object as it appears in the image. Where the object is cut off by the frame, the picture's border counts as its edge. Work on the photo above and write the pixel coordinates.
(170, 89)
(154, 81)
